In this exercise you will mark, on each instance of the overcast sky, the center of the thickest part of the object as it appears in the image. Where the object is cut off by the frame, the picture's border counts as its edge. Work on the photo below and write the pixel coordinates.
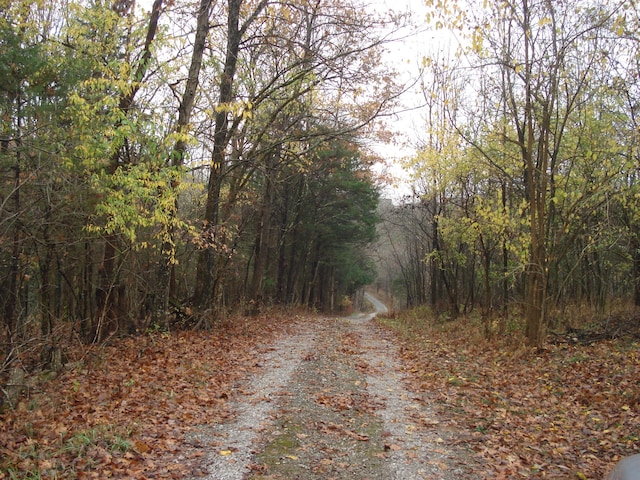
(405, 55)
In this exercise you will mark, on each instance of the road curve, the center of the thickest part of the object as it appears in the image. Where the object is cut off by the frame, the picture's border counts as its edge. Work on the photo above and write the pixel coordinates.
(377, 304)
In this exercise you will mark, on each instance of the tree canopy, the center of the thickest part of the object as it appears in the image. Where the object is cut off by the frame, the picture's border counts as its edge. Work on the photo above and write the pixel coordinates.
(206, 156)
(526, 171)
(183, 157)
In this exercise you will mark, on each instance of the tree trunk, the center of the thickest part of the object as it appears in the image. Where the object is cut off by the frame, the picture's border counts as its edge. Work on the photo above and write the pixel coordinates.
(488, 303)
(206, 283)
(105, 299)
(433, 262)
(263, 240)
(163, 293)
(283, 268)
(635, 255)
(13, 293)
(537, 184)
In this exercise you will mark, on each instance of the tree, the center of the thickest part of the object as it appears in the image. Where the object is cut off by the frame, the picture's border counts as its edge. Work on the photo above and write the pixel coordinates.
(528, 152)
(622, 100)
(33, 200)
(122, 129)
(292, 77)
(550, 63)
(336, 220)
(207, 286)
(540, 63)
(105, 43)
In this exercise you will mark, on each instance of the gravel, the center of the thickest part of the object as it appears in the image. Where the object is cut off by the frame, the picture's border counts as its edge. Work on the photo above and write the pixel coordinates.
(330, 402)
(232, 443)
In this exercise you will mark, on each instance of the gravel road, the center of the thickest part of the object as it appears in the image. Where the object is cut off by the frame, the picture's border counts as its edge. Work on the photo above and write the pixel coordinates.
(330, 402)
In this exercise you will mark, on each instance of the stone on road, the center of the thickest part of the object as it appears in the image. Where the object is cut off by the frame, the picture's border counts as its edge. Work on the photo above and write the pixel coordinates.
(331, 402)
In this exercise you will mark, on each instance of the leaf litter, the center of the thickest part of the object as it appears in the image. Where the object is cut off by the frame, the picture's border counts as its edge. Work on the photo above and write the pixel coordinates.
(570, 410)
(123, 410)
(321, 398)
(331, 403)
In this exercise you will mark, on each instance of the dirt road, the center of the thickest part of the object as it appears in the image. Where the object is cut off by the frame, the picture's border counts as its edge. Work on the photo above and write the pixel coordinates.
(330, 402)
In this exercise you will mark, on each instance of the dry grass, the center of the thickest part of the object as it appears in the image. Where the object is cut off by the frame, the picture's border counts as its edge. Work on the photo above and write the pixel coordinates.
(569, 410)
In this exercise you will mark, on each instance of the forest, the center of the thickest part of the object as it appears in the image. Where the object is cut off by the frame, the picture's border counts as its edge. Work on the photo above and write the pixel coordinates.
(172, 170)
(524, 188)
(166, 164)
(163, 165)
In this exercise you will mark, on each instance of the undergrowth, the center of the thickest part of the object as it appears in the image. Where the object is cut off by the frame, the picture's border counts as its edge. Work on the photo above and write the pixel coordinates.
(568, 410)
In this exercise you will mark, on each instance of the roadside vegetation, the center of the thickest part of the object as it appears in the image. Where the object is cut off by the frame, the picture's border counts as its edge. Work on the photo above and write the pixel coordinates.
(567, 410)
(124, 410)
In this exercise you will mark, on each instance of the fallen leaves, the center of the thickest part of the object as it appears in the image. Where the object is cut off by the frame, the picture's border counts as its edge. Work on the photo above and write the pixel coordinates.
(340, 429)
(123, 410)
(337, 402)
(568, 411)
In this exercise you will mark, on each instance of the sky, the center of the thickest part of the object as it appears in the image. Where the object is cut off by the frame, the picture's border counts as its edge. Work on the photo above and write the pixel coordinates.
(420, 40)
(405, 55)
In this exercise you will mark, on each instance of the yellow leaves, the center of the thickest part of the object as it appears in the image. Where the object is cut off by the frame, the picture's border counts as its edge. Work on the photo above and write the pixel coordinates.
(446, 13)
(559, 197)
(243, 108)
(428, 16)
(223, 107)
(619, 25)
(24, 15)
(286, 13)
(476, 41)
(184, 136)
(544, 21)
(440, 162)
(135, 199)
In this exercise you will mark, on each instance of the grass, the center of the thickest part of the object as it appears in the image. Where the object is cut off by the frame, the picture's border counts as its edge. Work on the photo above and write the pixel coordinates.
(111, 438)
(37, 460)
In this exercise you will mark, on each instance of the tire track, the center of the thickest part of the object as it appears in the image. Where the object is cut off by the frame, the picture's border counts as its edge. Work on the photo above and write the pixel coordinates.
(233, 443)
(332, 403)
